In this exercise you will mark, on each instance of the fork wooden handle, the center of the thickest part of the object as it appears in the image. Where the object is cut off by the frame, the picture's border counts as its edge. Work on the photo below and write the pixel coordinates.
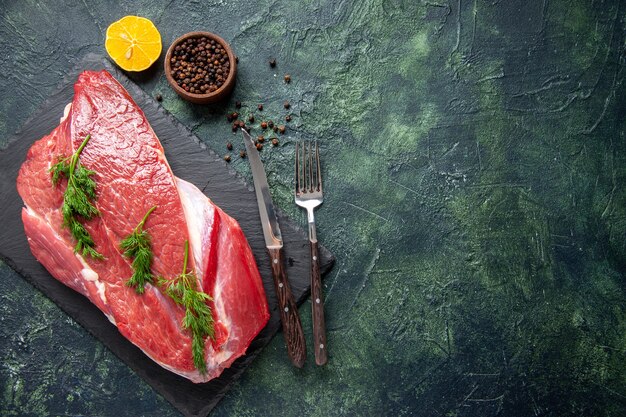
(289, 316)
(319, 325)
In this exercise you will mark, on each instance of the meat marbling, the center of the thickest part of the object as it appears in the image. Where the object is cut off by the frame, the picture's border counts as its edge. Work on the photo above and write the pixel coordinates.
(132, 175)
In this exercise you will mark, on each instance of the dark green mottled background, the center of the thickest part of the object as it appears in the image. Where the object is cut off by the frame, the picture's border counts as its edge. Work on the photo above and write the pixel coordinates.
(474, 158)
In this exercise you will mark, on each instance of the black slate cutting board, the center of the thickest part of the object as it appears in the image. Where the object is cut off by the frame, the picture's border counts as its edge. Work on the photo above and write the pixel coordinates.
(191, 161)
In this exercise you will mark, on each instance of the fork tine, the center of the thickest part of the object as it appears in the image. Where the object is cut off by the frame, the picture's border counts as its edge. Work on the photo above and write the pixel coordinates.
(298, 189)
(319, 169)
(310, 167)
(301, 169)
(305, 188)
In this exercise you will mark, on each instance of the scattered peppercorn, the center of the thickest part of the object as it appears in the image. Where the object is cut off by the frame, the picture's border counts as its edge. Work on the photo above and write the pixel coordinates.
(251, 118)
(274, 141)
(259, 146)
(260, 107)
(242, 154)
(235, 127)
(227, 158)
(282, 129)
(235, 115)
(159, 97)
(288, 118)
(238, 104)
(270, 124)
(275, 129)
(236, 59)
(273, 62)
(229, 117)
(200, 65)
(264, 125)
(287, 78)
(286, 105)
(261, 138)
(229, 146)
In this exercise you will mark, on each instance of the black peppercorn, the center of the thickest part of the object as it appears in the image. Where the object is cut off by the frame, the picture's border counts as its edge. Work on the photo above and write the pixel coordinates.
(237, 103)
(281, 129)
(251, 118)
(229, 146)
(274, 141)
(286, 105)
(198, 68)
(227, 158)
(260, 107)
(270, 124)
(159, 97)
(287, 78)
(259, 146)
(235, 115)
(273, 62)
(261, 138)
(242, 154)
(288, 118)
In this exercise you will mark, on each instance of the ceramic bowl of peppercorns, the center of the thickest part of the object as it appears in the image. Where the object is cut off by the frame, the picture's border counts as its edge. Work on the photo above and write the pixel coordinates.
(201, 67)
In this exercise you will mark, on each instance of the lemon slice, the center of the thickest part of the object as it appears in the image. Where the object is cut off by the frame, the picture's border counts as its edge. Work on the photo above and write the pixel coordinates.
(133, 42)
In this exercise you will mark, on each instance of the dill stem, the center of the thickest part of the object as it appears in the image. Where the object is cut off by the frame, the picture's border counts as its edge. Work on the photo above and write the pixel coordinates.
(143, 221)
(186, 256)
(76, 155)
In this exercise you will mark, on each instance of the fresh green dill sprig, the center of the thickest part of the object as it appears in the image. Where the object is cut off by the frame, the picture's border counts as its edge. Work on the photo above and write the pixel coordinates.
(198, 319)
(137, 246)
(77, 199)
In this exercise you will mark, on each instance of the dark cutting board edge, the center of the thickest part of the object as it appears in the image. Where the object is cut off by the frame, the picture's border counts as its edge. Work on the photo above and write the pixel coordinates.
(192, 161)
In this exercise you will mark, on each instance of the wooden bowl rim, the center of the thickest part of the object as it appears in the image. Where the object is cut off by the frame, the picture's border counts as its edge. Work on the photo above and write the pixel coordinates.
(208, 96)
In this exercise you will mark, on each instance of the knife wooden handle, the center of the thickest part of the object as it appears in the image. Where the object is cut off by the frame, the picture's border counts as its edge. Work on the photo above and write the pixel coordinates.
(289, 316)
(319, 325)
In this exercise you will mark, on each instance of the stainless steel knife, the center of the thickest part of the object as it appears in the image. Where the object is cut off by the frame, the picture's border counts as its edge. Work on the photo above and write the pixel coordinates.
(289, 316)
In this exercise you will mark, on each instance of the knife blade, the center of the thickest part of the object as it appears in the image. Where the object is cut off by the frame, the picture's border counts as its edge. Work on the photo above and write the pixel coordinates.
(289, 316)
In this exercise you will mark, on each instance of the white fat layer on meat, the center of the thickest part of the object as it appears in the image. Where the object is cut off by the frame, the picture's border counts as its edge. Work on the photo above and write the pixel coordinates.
(46, 220)
(221, 356)
(193, 376)
(214, 365)
(66, 112)
(218, 303)
(197, 211)
(101, 293)
(89, 274)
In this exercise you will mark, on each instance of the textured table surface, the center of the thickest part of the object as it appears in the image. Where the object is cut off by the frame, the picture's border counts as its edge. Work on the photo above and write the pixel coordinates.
(474, 160)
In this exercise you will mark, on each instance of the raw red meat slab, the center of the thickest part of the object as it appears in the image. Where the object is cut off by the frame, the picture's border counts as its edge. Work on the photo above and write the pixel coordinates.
(132, 176)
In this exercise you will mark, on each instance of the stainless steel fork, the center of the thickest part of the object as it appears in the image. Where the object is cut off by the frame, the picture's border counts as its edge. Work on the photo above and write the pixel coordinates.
(308, 194)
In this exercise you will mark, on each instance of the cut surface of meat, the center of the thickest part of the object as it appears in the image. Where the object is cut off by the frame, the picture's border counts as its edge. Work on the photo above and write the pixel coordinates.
(132, 175)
